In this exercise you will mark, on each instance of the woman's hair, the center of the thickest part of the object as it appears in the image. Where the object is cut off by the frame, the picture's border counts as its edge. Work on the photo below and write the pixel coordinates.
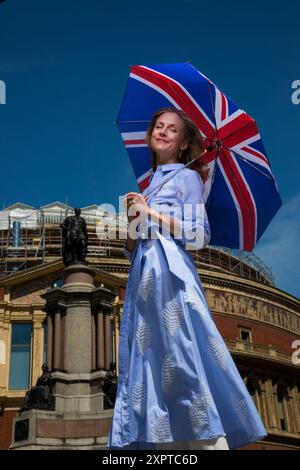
(192, 137)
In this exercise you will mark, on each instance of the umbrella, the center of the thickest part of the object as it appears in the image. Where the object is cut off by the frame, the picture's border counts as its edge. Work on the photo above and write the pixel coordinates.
(241, 195)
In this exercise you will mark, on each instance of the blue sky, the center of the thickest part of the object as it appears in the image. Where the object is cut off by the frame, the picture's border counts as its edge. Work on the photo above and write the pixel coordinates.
(65, 64)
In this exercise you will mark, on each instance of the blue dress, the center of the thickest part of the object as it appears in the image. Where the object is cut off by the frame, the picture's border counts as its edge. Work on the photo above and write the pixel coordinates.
(177, 379)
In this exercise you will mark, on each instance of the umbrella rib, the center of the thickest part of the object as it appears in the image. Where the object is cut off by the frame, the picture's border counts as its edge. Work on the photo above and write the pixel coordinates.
(213, 109)
(247, 161)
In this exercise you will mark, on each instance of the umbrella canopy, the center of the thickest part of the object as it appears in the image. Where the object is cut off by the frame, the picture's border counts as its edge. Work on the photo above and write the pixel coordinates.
(241, 194)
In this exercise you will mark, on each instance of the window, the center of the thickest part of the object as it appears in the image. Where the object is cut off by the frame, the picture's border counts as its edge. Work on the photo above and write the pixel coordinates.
(59, 282)
(245, 335)
(19, 377)
(251, 390)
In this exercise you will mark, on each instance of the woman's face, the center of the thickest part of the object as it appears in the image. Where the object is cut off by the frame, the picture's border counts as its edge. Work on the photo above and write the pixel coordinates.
(167, 138)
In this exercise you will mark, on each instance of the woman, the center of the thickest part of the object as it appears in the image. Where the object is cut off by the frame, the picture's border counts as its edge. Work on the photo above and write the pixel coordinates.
(178, 385)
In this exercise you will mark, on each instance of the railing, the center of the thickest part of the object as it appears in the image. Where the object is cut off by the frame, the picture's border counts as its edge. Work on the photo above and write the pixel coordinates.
(265, 352)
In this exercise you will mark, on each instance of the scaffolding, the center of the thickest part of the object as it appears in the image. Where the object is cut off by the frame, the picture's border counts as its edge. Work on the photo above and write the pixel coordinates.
(42, 243)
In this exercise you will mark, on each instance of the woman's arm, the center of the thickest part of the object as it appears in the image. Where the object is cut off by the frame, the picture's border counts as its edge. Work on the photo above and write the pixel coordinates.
(137, 203)
(195, 225)
(168, 223)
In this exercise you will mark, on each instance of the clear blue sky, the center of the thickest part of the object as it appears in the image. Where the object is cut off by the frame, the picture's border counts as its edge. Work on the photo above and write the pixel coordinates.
(66, 62)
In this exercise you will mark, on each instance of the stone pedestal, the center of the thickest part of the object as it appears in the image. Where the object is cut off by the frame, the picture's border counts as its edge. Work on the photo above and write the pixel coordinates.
(78, 357)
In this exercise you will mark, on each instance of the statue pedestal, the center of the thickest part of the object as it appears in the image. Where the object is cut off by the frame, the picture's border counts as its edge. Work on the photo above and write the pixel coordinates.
(49, 430)
(78, 357)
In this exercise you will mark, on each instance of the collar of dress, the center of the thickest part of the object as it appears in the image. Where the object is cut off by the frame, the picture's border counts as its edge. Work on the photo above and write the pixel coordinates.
(169, 166)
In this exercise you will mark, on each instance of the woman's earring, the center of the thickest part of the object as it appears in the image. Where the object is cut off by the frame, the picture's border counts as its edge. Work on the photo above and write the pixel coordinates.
(180, 154)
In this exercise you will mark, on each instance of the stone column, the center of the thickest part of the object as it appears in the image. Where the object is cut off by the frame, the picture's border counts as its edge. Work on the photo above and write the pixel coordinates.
(118, 313)
(290, 411)
(100, 340)
(274, 408)
(263, 401)
(93, 339)
(271, 408)
(38, 348)
(107, 339)
(62, 339)
(57, 340)
(49, 341)
(295, 407)
(7, 334)
(4, 338)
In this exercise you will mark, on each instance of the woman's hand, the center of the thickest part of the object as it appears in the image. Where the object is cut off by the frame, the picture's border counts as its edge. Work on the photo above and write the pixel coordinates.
(135, 203)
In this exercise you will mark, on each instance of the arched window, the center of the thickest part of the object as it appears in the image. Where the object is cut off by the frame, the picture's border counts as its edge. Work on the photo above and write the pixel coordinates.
(282, 407)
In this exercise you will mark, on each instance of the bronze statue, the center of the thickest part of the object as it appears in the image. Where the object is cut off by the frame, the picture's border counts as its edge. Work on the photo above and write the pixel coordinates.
(40, 397)
(109, 387)
(75, 239)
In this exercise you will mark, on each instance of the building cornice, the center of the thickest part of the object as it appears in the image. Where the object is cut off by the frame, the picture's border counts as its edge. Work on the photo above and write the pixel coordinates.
(53, 267)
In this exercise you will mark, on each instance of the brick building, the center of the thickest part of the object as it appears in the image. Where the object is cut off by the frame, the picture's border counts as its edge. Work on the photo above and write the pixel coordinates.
(259, 322)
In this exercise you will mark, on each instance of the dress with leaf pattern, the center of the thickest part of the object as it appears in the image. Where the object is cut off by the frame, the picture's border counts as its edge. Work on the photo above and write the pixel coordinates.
(177, 379)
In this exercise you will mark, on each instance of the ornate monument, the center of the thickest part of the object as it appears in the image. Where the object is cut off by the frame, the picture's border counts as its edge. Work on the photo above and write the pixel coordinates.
(78, 356)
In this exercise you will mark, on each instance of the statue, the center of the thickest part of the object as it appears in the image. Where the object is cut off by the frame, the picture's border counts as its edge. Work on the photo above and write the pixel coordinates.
(40, 397)
(75, 239)
(109, 386)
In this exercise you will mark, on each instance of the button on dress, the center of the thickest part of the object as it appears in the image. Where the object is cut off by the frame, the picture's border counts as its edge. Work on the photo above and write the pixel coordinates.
(177, 379)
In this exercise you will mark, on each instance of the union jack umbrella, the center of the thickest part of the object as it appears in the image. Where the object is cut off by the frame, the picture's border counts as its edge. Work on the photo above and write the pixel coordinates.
(241, 195)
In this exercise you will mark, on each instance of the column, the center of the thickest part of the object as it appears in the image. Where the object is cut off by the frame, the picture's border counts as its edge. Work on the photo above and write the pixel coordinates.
(57, 340)
(37, 349)
(107, 339)
(264, 401)
(5, 348)
(100, 340)
(118, 314)
(49, 359)
(271, 405)
(93, 341)
(295, 408)
(62, 340)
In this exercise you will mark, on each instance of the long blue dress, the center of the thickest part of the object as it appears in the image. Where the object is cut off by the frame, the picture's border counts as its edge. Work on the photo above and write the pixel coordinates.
(177, 379)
